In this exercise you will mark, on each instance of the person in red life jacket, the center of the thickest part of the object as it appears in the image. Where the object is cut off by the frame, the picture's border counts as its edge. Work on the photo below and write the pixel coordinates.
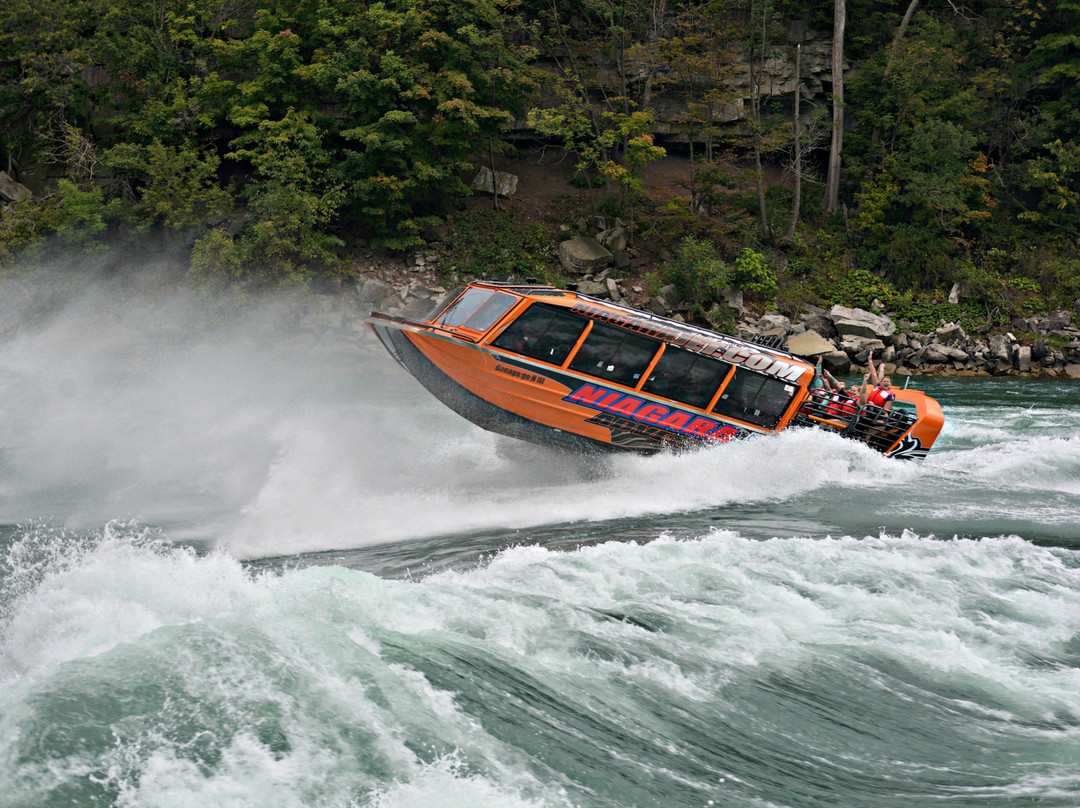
(842, 402)
(881, 395)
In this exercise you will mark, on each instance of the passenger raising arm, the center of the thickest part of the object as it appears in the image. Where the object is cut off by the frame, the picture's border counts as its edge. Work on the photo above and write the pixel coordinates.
(881, 395)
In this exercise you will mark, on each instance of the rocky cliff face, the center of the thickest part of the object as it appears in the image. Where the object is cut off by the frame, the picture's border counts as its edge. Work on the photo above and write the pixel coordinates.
(778, 82)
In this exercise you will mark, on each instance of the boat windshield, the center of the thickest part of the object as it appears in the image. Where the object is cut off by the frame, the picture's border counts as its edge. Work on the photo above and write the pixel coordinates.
(756, 399)
(547, 333)
(476, 309)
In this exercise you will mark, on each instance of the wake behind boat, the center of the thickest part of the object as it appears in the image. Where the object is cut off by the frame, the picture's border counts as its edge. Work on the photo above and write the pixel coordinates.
(556, 367)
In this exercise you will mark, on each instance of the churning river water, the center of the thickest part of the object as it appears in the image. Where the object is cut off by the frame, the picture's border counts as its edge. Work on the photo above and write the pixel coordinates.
(244, 566)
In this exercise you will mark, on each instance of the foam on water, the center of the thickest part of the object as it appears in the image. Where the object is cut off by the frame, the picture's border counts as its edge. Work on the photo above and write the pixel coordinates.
(319, 496)
(152, 676)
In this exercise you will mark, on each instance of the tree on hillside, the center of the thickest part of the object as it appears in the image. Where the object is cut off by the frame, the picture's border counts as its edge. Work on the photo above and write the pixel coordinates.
(696, 62)
(420, 85)
(45, 59)
(597, 47)
(1051, 175)
(924, 188)
(831, 201)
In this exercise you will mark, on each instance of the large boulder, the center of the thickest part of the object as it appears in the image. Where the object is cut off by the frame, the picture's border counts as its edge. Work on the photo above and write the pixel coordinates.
(1000, 347)
(12, 190)
(809, 344)
(773, 321)
(943, 354)
(499, 183)
(1022, 359)
(836, 362)
(377, 295)
(860, 347)
(614, 239)
(951, 332)
(583, 255)
(734, 298)
(593, 288)
(819, 321)
(861, 323)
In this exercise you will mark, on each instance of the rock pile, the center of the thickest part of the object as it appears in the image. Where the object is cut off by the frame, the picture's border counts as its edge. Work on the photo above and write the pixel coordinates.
(844, 338)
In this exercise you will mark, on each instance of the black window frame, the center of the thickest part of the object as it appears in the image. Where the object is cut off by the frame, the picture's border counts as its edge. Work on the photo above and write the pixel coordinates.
(681, 379)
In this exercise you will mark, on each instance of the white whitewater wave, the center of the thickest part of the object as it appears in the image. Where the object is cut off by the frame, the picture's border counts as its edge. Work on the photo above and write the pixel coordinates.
(326, 686)
(321, 494)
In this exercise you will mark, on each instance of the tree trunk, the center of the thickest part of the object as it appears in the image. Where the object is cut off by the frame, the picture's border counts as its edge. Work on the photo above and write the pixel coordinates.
(755, 108)
(900, 35)
(832, 179)
(796, 197)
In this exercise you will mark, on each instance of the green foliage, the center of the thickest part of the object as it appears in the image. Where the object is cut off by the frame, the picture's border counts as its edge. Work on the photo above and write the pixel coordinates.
(423, 86)
(82, 216)
(24, 225)
(925, 193)
(216, 258)
(752, 273)
(696, 272)
(854, 287)
(582, 179)
(1055, 174)
(178, 186)
(486, 243)
(292, 201)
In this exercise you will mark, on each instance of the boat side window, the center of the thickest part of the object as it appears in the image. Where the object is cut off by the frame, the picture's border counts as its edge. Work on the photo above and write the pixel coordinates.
(686, 377)
(465, 307)
(756, 399)
(614, 354)
(542, 332)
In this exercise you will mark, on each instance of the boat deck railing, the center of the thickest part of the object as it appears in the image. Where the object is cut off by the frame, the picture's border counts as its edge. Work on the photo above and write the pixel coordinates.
(875, 426)
(774, 341)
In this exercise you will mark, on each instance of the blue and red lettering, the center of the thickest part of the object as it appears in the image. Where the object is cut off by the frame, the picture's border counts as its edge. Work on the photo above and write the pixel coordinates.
(679, 421)
(700, 427)
(652, 413)
(627, 406)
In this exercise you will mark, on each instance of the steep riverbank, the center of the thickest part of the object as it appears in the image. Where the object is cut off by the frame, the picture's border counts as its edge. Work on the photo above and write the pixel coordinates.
(118, 291)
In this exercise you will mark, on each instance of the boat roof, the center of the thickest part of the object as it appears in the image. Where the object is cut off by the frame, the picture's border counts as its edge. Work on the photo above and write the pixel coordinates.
(570, 296)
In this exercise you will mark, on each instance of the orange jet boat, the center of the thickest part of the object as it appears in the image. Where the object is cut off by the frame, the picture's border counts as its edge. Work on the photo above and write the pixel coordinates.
(559, 368)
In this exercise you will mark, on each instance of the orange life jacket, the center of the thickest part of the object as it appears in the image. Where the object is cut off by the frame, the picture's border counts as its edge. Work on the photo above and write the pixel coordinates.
(880, 397)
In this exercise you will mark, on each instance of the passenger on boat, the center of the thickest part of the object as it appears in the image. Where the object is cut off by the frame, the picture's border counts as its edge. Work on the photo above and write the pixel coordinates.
(881, 395)
(842, 403)
(528, 341)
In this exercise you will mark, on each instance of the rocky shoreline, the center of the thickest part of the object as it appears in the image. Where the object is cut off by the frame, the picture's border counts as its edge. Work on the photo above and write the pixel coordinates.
(843, 337)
